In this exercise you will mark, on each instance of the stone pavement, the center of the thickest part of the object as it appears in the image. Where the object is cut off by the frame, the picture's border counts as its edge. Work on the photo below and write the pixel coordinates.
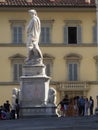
(51, 123)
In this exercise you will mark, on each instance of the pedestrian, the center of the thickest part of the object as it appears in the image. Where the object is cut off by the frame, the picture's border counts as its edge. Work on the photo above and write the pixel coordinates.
(91, 103)
(17, 110)
(7, 106)
(61, 103)
(81, 105)
(86, 106)
(66, 103)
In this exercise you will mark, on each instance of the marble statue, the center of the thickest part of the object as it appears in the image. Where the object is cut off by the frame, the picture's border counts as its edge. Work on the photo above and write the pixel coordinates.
(33, 35)
(51, 96)
(15, 95)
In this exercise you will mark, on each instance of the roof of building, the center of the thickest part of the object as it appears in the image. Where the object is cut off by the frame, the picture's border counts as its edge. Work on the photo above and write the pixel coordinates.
(47, 3)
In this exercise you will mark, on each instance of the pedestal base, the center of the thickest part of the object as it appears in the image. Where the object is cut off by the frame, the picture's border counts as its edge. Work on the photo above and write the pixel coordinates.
(34, 87)
(37, 111)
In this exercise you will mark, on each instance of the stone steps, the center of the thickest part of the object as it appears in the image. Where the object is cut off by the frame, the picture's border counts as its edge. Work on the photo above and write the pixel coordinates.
(51, 123)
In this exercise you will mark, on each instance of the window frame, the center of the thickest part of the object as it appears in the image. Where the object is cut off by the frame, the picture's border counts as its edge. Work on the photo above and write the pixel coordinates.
(17, 23)
(75, 59)
(16, 59)
(72, 78)
(16, 40)
(73, 23)
(70, 37)
(47, 24)
(48, 60)
(16, 76)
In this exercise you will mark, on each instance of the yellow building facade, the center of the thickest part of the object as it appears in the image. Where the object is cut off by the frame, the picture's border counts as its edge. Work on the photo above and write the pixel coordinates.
(68, 44)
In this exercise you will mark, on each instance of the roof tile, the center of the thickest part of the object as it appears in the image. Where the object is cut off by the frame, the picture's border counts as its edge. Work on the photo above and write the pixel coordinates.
(48, 3)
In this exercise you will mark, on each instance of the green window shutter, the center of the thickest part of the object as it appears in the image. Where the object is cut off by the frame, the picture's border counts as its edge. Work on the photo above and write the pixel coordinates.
(70, 72)
(20, 70)
(15, 72)
(66, 35)
(42, 34)
(47, 34)
(79, 35)
(95, 34)
(48, 69)
(19, 34)
(14, 34)
(75, 77)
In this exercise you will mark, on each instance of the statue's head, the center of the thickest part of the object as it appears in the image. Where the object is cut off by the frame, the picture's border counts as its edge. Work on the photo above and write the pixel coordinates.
(14, 91)
(32, 12)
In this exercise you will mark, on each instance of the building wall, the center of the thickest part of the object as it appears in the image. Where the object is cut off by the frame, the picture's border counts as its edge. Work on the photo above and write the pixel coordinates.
(6, 93)
(87, 71)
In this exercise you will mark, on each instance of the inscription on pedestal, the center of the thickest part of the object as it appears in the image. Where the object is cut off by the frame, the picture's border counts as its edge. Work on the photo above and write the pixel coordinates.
(32, 92)
(37, 111)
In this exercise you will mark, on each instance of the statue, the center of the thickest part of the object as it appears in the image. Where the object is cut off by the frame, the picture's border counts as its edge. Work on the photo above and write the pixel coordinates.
(33, 35)
(51, 96)
(15, 96)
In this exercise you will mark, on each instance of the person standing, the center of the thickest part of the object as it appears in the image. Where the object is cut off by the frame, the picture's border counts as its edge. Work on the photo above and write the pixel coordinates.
(7, 106)
(86, 106)
(81, 105)
(66, 103)
(17, 110)
(61, 103)
(91, 103)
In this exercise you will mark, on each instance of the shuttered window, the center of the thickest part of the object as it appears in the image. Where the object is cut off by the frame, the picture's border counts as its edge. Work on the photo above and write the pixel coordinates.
(17, 34)
(73, 71)
(45, 35)
(17, 71)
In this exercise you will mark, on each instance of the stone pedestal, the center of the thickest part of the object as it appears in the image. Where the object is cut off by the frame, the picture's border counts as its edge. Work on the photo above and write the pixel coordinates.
(34, 87)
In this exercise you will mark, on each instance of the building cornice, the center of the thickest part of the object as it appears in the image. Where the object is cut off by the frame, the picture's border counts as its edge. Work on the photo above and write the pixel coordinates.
(48, 9)
(51, 45)
(53, 82)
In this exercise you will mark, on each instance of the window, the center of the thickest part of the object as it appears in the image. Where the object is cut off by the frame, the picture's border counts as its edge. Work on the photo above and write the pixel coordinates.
(73, 64)
(17, 29)
(17, 34)
(72, 32)
(72, 71)
(72, 35)
(45, 35)
(46, 30)
(48, 61)
(17, 62)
